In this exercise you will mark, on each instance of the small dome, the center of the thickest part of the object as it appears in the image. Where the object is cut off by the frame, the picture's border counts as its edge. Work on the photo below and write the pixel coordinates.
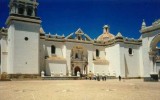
(106, 35)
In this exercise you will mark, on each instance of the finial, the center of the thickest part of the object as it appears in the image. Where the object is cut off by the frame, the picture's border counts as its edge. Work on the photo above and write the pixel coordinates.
(63, 35)
(119, 34)
(79, 31)
(105, 29)
(105, 26)
(143, 24)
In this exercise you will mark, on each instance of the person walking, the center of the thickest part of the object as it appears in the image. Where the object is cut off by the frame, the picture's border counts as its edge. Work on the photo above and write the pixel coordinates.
(119, 78)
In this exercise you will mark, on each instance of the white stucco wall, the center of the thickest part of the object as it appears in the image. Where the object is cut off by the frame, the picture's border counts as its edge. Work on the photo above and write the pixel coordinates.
(147, 61)
(113, 56)
(101, 68)
(58, 45)
(4, 54)
(56, 68)
(23, 55)
(130, 63)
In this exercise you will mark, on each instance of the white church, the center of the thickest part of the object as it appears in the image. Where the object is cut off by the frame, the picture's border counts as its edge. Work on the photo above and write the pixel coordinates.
(25, 48)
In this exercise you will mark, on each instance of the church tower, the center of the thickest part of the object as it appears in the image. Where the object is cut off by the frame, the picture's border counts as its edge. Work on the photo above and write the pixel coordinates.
(23, 37)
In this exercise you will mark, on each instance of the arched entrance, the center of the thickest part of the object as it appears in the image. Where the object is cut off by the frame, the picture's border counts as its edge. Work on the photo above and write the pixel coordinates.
(155, 52)
(159, 73)
(76, 69)
(79, 60)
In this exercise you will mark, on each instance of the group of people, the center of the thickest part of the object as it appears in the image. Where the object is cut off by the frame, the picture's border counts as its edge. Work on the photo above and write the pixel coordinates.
(98, 77)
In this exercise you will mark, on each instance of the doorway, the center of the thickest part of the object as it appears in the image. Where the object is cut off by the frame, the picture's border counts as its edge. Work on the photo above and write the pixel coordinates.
(76, 69)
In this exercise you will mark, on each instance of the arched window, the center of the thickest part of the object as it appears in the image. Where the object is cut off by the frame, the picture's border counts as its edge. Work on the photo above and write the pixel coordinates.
(21, 9)
(97, 53)
(53, 49)
(29, 11)
(130, 51)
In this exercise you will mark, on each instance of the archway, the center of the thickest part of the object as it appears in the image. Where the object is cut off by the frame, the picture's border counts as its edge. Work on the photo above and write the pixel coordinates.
(76, 69)
(154, 52)
(79, 57)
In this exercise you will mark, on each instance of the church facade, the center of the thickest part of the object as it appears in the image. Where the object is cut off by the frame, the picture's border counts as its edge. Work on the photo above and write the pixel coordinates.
(25, 48)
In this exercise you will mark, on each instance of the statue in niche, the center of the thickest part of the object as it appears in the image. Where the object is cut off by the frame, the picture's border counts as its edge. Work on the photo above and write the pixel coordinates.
(76, 56)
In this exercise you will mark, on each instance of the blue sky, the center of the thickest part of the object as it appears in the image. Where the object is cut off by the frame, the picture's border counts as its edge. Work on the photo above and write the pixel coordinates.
(66, 16)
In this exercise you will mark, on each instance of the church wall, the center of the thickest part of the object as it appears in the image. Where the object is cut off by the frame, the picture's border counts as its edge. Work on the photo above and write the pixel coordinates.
(141, 69)
(146, 41)
(101, 68)
(101, 51)
(56, 68)
(10, 59)
(53, 65)
(4, 54)
(113, 56)
(25, 52)
(42, 55)
(58, 46)
(130, 64)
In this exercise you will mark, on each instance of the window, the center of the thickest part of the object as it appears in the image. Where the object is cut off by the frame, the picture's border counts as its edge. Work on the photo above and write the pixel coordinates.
(53, 49)
(26, 38)
(79, 38)
(29, 11)
(21, 9)
(130, 51)
(97, 53)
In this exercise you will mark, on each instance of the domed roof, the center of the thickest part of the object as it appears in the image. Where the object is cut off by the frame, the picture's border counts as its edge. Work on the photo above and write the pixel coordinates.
(106, 35)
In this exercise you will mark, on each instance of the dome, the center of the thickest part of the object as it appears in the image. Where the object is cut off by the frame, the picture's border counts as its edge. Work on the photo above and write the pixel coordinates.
(106, 35)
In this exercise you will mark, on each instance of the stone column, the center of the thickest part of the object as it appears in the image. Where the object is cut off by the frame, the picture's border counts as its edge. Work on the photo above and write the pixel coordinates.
(33, 11)
(83, 69)
(152, 64)
(13, 9)
(16, 9)
(25, 10)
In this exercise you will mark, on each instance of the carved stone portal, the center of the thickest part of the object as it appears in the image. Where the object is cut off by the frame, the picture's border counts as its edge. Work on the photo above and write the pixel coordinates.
(79, 60)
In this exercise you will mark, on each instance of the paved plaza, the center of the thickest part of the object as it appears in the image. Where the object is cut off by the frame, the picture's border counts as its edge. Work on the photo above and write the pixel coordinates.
(130, 89)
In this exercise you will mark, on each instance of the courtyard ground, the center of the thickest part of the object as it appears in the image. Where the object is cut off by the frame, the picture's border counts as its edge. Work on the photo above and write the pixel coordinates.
(130, 89)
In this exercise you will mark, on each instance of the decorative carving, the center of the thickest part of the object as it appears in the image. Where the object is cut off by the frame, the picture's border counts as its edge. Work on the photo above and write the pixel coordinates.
(152, 54)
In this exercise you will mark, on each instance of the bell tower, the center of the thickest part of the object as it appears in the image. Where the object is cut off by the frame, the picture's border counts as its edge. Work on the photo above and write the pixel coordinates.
(23, 7)
(23, 37)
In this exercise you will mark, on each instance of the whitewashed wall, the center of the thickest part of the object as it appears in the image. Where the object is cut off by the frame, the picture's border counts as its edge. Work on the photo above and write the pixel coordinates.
(23, 55)
(4, 54)
(101, 68)
(147, 62)
(130, 63)
(58, 45)
(113, 56)
(57, 68)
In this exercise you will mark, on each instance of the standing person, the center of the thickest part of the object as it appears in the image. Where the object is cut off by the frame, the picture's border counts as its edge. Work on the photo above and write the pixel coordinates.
(94, 77)
(119, 78)
(90, 75)
(98, 77)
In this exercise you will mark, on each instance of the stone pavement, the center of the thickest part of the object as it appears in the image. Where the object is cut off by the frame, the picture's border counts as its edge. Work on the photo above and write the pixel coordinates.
(131, 89)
